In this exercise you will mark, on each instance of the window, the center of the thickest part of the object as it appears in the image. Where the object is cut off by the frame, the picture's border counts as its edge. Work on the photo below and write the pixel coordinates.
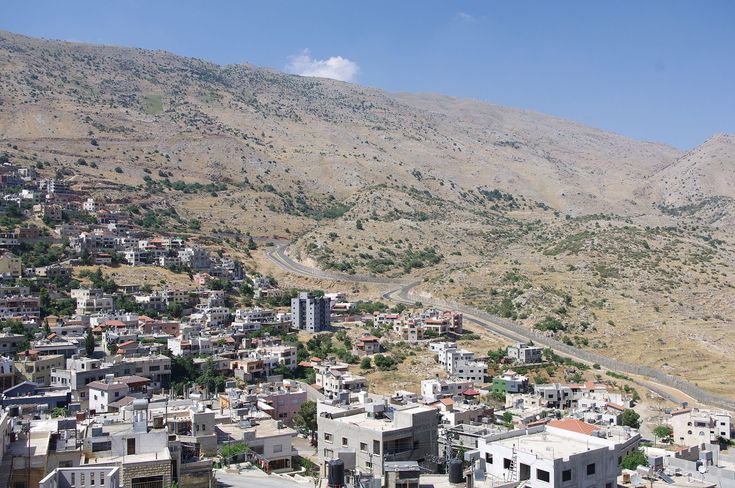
(376, 447)
(506, 463)
(363, 446)
(101, 446)
(328, 437)
(278, 448)
(131, 446)
(73, 477)
(488, 458)
(344, 441)
(590, 469)
(566, 475)
(542, 475)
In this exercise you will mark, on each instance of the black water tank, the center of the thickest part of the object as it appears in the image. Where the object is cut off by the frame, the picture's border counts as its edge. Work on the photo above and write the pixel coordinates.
(455, 471)
(14, 411)
(336, 476)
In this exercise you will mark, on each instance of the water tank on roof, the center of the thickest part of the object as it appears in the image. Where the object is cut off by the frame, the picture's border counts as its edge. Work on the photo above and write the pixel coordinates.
(336, 475)
(140, 404)
(455, 471)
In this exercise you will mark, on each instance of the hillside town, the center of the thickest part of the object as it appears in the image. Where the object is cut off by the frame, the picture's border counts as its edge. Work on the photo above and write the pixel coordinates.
(125, 384)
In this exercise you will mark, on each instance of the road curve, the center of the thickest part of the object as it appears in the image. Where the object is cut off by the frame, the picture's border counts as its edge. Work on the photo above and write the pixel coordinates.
(400, 291)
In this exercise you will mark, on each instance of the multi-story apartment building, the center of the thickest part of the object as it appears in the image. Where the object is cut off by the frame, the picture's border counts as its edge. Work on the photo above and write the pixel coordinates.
(91, 301)
(335, 379)
(522, 353)
(310, 313)
(20, 306)
(377, 432)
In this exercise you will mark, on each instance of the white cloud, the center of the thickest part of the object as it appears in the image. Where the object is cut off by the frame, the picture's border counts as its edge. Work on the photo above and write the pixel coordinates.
(335, 67)
(465, 17)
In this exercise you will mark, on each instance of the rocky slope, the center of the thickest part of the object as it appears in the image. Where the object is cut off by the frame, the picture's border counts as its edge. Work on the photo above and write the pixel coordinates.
(627, 244)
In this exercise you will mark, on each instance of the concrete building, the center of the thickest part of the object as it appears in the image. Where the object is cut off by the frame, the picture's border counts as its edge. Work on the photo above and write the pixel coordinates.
(522, 353)
(10, 343)
(88, 476)
(367, 344)
(270, 442)
(37, 369)
(310, 313)
(460, 363)
(435, 389)
(10, 265)
(376, 432)
(565, 453)
(335, 378)
(693, 426)
(91, 301)
(510, 382)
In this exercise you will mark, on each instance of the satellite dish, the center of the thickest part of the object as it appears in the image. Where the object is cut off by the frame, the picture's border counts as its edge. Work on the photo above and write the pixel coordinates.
(702, 469)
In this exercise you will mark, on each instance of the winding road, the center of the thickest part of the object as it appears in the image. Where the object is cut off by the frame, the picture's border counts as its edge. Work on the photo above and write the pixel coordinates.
(401, 291)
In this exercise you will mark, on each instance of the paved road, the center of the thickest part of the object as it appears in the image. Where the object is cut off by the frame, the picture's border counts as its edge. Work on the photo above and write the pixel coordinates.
(400, 291)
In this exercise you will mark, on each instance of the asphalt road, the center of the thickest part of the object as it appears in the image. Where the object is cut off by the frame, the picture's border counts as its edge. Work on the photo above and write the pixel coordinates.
(399, 292)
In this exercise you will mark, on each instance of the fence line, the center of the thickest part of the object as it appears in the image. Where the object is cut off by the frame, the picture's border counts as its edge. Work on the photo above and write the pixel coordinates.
(687, 387)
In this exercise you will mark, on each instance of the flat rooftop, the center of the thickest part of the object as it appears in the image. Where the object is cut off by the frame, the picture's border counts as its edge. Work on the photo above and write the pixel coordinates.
(549, 445)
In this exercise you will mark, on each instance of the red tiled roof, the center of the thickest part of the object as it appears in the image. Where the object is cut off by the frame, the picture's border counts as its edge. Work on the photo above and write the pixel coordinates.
(447, 401)
(574, 425)
(126, 344)
(470, 392)
(615, 406)
(368, 338)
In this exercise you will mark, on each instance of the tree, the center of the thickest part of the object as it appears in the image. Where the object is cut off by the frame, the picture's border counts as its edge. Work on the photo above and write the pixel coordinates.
(58, 412)
(358, 224)
(89, 343)
(384, 363)
(633, 460)
(631, 418)
(306, 418)
(366, 363)
(175, 310)
(251, 244)
(662, 431)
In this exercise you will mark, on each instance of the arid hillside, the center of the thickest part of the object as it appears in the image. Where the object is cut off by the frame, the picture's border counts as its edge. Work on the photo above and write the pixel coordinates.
(603, 241)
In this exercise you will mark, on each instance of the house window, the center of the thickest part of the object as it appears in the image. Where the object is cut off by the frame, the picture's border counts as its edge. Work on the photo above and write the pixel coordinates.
(278, 448)
(363, 446)
(566, 475)
(101, 446)
(344, 441)
(590, 469)
(506, 463)
(542, 475)
(327, 437)
(488, 458)
(376, 447)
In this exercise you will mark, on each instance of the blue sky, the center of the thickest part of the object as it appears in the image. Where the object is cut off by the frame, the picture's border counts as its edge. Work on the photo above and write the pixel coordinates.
(656, 70)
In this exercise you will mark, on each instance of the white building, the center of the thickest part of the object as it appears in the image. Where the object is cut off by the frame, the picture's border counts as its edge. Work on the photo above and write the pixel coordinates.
(693, 426)
(435, 389)
(524, 354)
(565, 453)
